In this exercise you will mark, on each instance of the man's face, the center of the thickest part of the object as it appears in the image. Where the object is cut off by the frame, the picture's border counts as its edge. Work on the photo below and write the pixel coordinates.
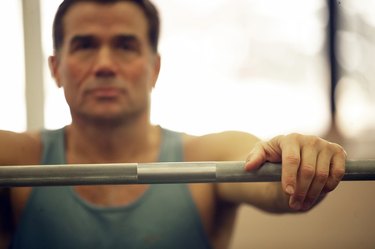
(106, 65)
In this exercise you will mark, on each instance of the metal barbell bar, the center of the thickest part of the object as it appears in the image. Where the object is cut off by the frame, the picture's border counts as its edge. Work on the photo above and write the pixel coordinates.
(155, 173)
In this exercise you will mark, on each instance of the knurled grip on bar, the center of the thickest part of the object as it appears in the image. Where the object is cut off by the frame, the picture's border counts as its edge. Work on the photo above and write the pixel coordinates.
(152, 173)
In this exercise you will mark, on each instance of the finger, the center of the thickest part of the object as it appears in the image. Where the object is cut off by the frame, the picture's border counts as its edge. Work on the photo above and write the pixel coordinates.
(290, 164)
(256, 157)
(319, 181)
(337, 169)
(305, 176)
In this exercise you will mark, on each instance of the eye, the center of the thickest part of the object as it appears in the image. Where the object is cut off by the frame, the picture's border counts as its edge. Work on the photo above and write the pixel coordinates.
(82, 43)
(126, 46)
(85, 45)
(127, 43)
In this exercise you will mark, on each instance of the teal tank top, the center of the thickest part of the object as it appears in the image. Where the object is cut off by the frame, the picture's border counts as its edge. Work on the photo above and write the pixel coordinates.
(164, 217)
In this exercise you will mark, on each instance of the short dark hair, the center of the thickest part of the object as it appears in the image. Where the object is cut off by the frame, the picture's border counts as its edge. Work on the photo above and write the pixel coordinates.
(148, 8)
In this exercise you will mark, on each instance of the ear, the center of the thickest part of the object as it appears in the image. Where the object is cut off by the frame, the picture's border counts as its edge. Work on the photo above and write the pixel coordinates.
(53, 63)
(156, 69)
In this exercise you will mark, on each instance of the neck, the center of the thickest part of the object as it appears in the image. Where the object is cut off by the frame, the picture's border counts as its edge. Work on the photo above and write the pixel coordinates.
(130, 142)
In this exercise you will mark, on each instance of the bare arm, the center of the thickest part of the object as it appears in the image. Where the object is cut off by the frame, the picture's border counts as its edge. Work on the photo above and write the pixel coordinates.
(19, 148)
(15, 149)
(233, 145)
(267, 196)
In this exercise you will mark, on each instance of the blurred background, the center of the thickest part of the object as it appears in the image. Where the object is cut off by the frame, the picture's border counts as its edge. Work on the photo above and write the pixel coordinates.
(266, 67)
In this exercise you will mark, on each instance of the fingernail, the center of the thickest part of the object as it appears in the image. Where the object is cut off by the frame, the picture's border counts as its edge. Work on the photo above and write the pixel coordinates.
(289, 189)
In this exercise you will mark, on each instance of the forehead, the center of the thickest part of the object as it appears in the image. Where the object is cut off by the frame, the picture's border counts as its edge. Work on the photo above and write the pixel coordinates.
(120, 17)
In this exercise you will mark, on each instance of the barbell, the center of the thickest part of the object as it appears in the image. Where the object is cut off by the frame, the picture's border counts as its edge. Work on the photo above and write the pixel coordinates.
(158, 173)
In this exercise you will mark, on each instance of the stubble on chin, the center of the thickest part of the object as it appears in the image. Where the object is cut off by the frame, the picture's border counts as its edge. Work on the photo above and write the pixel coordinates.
(108, 119)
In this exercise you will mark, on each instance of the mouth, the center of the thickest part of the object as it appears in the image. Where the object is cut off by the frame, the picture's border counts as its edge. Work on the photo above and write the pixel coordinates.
(105, 92)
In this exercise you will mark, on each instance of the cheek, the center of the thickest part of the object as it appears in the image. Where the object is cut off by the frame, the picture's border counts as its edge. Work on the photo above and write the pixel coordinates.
(71, 78)
(141, 76)
(72, 73)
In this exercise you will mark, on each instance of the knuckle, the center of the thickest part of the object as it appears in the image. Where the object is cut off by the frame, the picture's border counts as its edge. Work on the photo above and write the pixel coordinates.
(338, 150)
(300, 195)
(338, 173)
(307, 170)
(341, 152)
(314, 141)
(309, 140)
(293, 136)
(321, 176)
(292, 159)
(289, 180)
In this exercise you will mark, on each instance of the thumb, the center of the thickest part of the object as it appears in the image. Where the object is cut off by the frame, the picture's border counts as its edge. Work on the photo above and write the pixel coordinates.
(263, 151)
(256, 157)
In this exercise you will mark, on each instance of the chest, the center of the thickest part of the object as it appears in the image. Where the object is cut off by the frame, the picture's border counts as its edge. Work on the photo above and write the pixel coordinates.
(121, 195)
(155, 220)
(202, 196)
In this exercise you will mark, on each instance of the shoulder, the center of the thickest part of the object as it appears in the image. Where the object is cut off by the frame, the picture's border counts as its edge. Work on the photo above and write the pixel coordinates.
(221, 146)
(20, 148)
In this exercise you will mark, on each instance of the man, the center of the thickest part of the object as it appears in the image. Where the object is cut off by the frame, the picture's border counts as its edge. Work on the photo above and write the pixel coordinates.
(107, 62)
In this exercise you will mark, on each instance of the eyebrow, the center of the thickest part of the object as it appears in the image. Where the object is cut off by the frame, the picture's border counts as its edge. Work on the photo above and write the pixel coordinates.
(126, 38)
(118, 38)
(81, 38)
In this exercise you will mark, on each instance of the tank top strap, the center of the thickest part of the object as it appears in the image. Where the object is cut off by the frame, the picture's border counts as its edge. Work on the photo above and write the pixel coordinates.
(171, 147)
(53, 146)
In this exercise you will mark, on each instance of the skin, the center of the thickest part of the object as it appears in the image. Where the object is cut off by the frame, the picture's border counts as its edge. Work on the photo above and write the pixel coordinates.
(108, 70)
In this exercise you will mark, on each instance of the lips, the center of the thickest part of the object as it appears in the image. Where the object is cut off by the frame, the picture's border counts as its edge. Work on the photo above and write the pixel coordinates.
(106, 92)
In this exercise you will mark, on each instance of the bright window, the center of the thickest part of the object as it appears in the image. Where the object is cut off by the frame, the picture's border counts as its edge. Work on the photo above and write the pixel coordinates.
(256, 66)
(57, 113)
(12, 97)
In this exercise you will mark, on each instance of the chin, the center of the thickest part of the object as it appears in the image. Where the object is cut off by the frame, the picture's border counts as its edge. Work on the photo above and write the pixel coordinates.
(115, 119)
(114, 116)
(108, 121)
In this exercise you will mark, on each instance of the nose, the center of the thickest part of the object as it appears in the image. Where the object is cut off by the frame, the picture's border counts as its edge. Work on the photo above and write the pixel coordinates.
(105, 65)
